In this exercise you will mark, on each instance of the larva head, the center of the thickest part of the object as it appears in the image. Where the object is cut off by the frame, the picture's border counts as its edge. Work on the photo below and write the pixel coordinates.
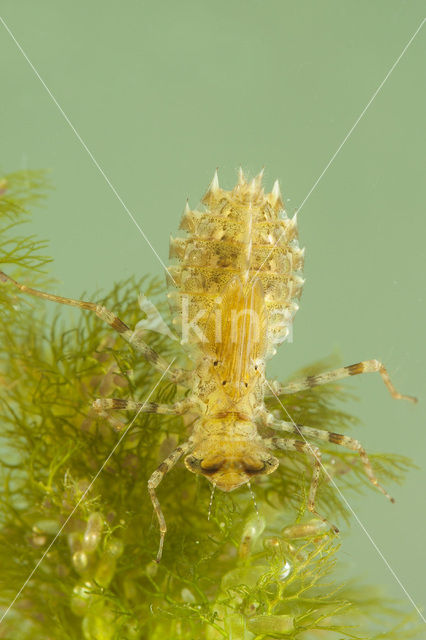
(230, 464)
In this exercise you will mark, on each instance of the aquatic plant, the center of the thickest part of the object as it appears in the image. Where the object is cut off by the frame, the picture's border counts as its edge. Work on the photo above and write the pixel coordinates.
(78, 538)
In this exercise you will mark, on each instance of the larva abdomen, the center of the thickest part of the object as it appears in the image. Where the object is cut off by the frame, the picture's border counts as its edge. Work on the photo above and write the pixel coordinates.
(243, 233)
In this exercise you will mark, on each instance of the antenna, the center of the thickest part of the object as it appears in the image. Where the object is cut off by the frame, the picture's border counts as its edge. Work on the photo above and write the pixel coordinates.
(211, 501)
(254, 499)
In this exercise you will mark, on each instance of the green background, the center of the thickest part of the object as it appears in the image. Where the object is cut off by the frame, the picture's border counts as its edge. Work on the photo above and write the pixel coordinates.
(162, 93)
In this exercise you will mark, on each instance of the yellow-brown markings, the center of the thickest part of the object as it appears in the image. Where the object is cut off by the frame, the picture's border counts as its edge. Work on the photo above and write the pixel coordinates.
(355, 369)
(336, 438)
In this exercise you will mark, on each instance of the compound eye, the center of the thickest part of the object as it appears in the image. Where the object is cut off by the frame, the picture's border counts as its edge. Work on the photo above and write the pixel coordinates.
(271, 463)
(192, 463)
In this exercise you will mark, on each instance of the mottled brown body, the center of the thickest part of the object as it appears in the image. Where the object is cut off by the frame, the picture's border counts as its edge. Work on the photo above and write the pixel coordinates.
(237, 282)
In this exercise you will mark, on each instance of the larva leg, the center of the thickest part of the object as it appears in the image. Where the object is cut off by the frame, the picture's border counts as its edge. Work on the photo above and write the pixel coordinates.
(176, 375)
(296, 445)
(367, 366)
(103, 407)
(335, 438)
(153, 483)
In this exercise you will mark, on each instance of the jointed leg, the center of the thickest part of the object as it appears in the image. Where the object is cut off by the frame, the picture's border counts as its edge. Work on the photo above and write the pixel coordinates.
(367, 366)
(153, 483)
(103, 407)
(296, 445)
(176, 375)
(335, 438)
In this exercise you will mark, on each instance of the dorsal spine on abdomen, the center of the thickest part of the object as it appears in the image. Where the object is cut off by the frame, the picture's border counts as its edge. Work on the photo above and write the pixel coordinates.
(241, 233)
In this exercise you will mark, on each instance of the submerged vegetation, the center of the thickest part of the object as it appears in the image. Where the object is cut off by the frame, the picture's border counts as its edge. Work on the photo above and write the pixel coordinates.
(77, 529)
